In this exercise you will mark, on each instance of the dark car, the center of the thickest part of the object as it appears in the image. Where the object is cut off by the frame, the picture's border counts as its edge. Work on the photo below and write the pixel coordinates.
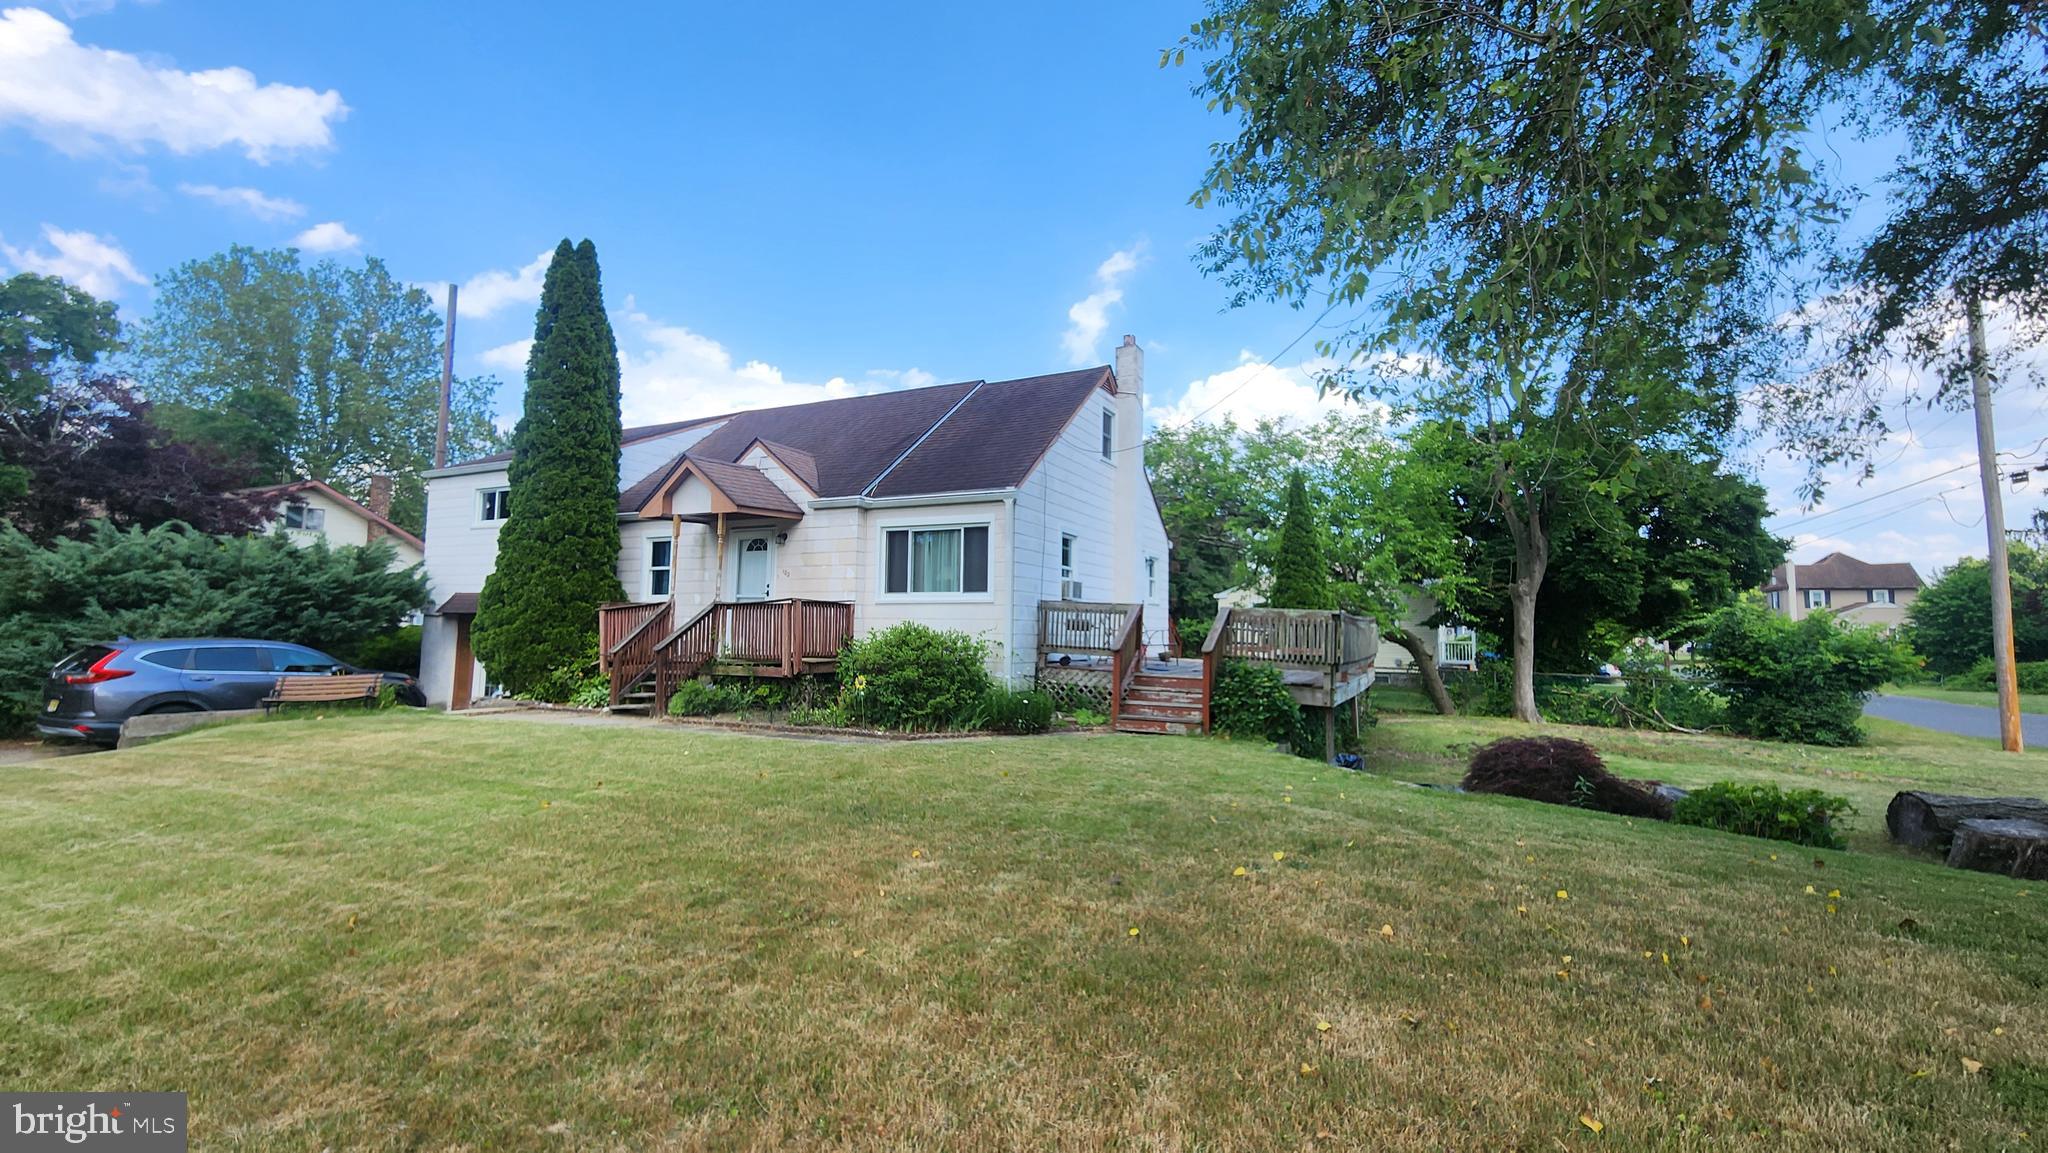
(93, 690)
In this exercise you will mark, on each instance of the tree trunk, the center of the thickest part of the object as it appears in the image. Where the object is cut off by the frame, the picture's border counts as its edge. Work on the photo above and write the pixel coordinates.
(1929, 820)
(1426, 668)
(1532, 556)
(2016, 849)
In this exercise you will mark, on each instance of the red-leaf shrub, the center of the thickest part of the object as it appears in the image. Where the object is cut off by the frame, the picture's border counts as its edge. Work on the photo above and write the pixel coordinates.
(1558, 771)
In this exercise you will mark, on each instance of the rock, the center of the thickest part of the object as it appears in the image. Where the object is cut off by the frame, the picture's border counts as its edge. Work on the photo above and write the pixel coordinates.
(1929, 820)
(1671, 793)
(2014, 848)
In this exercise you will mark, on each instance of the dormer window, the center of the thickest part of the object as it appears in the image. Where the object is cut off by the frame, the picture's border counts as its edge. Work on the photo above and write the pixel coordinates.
(1880, 596)
(1816, 598)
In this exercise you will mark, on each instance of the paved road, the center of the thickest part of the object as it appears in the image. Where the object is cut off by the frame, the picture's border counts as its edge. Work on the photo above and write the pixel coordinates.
(1948, 717)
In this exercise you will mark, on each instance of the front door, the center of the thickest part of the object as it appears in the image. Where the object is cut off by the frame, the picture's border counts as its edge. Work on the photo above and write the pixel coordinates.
(752, 581)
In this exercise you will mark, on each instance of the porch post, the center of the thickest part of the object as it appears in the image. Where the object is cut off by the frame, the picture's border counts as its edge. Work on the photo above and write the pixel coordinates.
(718, 577)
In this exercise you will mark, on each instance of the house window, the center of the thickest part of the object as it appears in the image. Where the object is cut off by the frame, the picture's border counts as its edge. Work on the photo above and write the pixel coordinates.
(1816, 598)
(1880, 596)
(941, 561)
(305, 516)
(1151, 578)
(660, 565)
(1108, 435)
(1775, 602)
(493, 504)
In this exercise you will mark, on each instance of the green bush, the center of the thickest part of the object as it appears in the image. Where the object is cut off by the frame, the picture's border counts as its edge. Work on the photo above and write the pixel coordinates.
(2033, 677)
(170, 581)
(701, 699)
(1802, 681)
(1004, 710)
(567, 683)
(912, 678)
(392, 652)
(1802, 816)
(1250, 701)
(594, 693)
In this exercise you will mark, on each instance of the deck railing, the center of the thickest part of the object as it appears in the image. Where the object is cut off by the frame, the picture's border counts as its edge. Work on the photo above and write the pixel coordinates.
(784, 638)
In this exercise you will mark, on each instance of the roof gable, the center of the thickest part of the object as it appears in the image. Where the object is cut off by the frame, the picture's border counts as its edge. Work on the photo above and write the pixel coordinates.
(280, 491)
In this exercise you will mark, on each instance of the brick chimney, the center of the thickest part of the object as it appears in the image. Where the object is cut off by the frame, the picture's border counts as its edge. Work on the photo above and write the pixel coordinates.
(379, 502)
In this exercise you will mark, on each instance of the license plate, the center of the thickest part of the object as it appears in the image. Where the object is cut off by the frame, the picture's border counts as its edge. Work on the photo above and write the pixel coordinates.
(51, 707)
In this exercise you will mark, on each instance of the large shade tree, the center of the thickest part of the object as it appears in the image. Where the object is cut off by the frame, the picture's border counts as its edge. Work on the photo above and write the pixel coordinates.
(319, 371)
(558, 554)
(1568, 207)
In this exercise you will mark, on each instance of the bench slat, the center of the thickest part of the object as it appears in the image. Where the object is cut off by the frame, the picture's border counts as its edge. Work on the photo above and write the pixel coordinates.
(344, 688)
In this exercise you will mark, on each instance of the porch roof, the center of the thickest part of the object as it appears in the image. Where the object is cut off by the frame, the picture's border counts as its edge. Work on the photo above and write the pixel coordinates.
(736, 489)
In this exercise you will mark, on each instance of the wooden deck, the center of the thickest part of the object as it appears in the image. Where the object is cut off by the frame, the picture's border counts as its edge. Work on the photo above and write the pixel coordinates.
(645, 653)
(1324, 658)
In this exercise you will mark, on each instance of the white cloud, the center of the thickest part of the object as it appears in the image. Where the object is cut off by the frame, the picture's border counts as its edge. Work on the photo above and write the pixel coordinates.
(1249, 392)
(330, 236)
(256, 203)
(1089, 316)
(96, 264)
(672, 373)
(488, 293)
(505, 357)
(74, 95)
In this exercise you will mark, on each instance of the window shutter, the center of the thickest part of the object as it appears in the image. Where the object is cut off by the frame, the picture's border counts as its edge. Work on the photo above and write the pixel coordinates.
(898, 576)
(974, 562)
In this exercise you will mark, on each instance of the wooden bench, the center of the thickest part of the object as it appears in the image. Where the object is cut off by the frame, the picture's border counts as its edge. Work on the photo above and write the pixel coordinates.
(362, 688)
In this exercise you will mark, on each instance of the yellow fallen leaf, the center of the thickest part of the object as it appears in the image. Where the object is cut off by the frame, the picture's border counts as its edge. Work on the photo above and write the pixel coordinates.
(1238, 872)
(1278, 855)
(1307, 1070)
(351, 920)
(1587, 1120)
(860, 952)
(1348, 844)
(1667, 958)
(1831, 908)
(1998, 1032)
(1834, 894)
(916, 853)
(1774, 856)
(1812, 892)
(1686, 941)
(1562, 895)
(1706, 1003)
(547, 804)
(1322, 1026)
(1387, 931)
(1134, 930)
(1289, 800)
(1972, 1067)
(1648, 954)
(1564, 974)
(1917, 1074)
(1567, 958)
(1521, 910)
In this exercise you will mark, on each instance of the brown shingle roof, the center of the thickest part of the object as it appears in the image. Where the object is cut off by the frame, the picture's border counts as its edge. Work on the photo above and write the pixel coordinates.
(851, 439)
(459, 605)
(745, 486)
(996, 438)
(801, 465)
(1842, 571)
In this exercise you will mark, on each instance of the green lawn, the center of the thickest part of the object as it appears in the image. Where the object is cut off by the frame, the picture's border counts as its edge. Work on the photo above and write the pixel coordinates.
(421, 932)
(1988, 698)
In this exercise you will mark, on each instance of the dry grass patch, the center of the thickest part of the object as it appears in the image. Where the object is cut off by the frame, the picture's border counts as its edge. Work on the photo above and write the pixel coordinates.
(424, 932)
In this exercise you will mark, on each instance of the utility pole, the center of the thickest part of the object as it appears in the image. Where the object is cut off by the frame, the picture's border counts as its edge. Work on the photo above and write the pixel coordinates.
(1994, 533)
(447, 383)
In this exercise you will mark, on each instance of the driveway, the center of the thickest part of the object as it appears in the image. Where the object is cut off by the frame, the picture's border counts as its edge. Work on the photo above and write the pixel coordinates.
(1948, 717)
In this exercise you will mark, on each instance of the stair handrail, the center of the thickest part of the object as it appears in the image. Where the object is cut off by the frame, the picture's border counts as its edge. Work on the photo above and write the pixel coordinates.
(1124, 660)
(632, 657)
(1209, 643)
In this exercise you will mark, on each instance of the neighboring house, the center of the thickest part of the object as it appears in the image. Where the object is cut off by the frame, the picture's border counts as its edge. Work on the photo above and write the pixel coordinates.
(1853, 590)
(310, 510)
(962, 506)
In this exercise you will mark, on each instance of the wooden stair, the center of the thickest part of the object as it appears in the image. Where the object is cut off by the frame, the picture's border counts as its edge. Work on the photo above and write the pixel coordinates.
(1162, 704)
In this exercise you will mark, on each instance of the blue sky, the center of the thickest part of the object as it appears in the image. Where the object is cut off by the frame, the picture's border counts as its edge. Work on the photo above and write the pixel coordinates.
(788, 203)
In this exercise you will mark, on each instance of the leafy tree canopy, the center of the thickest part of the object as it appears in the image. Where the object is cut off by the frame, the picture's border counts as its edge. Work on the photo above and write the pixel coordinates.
(322, 371)
(1949, 623)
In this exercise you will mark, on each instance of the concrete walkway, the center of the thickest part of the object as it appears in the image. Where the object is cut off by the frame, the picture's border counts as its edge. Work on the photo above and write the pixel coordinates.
(1948, 717)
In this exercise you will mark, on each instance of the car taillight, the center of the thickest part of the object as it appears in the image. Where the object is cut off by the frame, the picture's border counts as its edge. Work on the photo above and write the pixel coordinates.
(98, 672)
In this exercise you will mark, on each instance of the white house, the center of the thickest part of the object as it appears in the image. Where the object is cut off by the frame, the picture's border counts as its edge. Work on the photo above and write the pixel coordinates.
(962, 506)
(308, 510)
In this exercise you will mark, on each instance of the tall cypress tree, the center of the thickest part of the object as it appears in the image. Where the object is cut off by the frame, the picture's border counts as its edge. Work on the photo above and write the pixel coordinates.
(1301, 578)
(558, 553)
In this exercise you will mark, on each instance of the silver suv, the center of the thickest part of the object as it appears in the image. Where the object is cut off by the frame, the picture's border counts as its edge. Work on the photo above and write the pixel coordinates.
(93, 690)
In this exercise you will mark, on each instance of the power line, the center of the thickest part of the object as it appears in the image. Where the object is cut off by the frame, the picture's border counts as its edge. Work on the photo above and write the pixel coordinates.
(1268, 363)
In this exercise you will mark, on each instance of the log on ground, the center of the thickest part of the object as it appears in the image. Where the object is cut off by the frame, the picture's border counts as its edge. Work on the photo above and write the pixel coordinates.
(2012, 848)
(1929, 820)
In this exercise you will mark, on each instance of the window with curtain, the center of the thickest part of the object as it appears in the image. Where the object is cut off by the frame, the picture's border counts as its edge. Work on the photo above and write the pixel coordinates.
(936, 560)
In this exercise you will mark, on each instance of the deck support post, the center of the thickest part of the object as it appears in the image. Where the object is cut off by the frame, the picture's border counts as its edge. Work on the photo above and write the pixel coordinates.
(1329, 734)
